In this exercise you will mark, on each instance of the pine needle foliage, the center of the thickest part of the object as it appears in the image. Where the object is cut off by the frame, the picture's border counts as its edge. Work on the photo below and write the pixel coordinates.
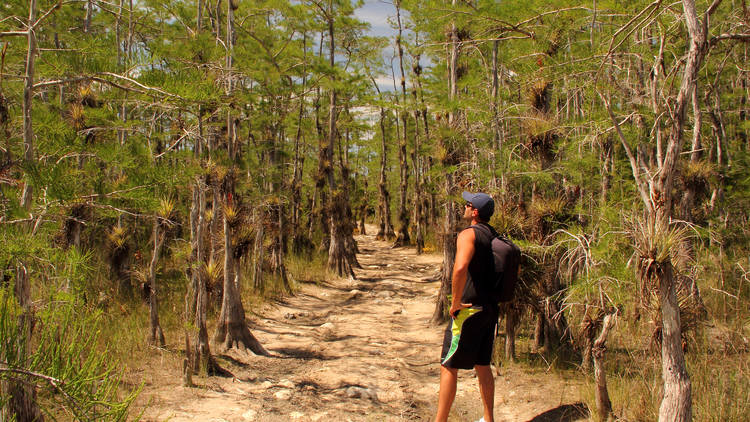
(62, 360)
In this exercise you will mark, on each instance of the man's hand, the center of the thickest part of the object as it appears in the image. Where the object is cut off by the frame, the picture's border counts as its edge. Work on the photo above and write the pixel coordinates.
(455, 308)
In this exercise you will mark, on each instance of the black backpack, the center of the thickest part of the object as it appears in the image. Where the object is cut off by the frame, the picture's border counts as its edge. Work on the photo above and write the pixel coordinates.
(507, 258)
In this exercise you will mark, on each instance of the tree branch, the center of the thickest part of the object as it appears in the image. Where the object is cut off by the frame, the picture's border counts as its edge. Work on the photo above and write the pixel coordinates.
(56, 383)
(633, 162)
(611, 49)
(738, 37)
(144, 88)
(14, 34)
(46, 15)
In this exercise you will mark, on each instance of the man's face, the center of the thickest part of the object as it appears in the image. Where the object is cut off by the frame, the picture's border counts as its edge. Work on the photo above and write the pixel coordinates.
(468, 211)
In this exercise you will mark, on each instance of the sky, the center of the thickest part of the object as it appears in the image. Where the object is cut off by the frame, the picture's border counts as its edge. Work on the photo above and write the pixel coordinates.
(376, 13)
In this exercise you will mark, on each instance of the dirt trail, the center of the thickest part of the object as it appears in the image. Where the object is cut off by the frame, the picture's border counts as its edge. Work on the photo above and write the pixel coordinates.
(359, 350)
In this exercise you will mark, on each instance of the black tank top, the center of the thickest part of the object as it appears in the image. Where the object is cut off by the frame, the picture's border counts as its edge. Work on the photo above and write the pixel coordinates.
(481, 268)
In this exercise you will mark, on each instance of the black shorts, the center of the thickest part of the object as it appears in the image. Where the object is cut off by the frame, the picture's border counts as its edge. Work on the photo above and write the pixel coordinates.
(469, 338)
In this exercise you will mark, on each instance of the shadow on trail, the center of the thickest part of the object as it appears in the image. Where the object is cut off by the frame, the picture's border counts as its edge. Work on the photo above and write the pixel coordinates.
(564, 413)
(303, 354)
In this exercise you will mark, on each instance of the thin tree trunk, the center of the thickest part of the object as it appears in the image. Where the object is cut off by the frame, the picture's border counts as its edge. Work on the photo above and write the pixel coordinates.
(156, 335)
(320, 214)
(607, 160)
(199, 16)
(28, 94)
(89, 14)
(199, 349)
(385, 228)
(494, 96)
(258, 252)
(298, 161)
(22, 397)
(511, 321)
(402, 236)
(276, 208)
(231, 125)
(416, 160)
(539, 331)
(603, 403)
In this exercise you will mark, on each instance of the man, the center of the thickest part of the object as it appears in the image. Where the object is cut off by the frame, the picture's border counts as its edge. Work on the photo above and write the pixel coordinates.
(469, 338)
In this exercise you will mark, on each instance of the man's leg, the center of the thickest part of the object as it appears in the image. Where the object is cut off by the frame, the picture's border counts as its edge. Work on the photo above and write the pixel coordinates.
(486, 390)
(448, 380)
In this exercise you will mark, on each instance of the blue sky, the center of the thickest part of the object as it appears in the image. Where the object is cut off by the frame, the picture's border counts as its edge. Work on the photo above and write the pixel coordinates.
(376, 13)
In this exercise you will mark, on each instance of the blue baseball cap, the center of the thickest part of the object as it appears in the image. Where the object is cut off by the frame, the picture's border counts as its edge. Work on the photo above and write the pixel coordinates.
(482, 202)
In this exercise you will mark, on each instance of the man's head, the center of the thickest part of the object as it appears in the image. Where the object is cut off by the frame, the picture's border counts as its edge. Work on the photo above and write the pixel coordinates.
(481, 202)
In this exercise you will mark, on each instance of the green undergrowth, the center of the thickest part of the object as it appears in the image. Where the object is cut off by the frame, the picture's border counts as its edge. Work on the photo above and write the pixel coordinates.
(719, 372)
(77, 376)
(126, 319)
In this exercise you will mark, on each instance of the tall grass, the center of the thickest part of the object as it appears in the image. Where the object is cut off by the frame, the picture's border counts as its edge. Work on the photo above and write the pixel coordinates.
(73, 373)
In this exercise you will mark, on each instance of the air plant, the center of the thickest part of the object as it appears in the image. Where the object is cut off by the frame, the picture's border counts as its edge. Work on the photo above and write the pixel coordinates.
(118, 236)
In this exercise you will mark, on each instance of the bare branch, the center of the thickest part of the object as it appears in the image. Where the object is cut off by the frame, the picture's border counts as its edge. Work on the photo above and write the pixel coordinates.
(85, 78)
(174, 144)
(46, 14)
(14, 34)
(148, 88)
(738, 37)
(711, 9)
(654, 5)
(633, 162)
(56, 383)
(144, 89)
(113, 193)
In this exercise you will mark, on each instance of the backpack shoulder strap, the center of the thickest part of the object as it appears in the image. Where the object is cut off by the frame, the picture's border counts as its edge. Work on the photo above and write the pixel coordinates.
(487, 229)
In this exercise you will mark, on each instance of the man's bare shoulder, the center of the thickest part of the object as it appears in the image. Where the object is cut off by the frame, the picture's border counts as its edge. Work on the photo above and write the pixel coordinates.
(466, 235)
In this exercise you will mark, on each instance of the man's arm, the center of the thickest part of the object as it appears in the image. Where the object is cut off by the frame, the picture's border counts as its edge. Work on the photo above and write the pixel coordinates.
(464, 253)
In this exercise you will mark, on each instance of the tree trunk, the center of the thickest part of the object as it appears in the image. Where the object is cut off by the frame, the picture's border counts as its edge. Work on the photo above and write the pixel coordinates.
(539, 331)
(494, 106)
(427, 209)
(511, 321)
(385, 227)
(603, 403)
(402, 236)
(677, 402)
(607, 160)
(231, 123)
(232, 330)
(417, 167)
(22, 398)
(28, 94)
(271, 214)
(199, 16)
(449, 159)
(259, 252)
(296, 197)
(338, 259)
(89, 14)
(199, 349)
(156, 335)
(341, 258)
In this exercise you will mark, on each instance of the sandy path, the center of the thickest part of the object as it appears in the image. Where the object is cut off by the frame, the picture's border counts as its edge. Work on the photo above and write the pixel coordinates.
(360, 350)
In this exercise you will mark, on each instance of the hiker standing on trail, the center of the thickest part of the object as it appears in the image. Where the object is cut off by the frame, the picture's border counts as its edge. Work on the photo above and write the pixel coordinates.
(469, 338)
